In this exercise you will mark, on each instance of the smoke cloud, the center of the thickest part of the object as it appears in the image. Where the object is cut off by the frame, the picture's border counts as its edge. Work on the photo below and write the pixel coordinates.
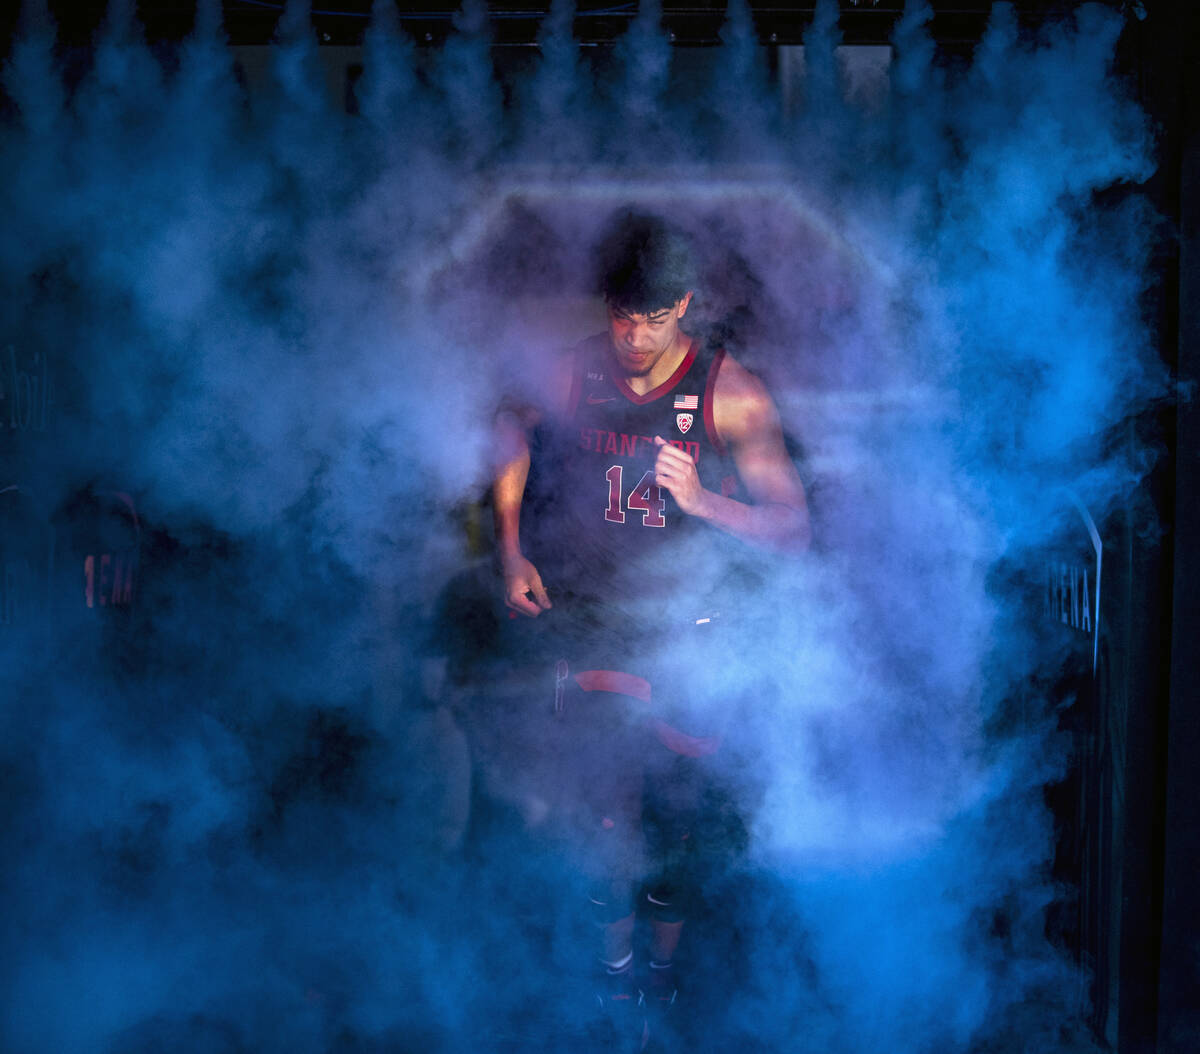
(270, 782)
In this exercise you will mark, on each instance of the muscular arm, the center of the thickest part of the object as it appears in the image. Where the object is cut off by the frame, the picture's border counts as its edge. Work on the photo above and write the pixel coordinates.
(523, 588)
(746, 420)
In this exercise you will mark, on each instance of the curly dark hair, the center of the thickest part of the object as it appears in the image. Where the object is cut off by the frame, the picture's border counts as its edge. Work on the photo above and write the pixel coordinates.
(644, 264)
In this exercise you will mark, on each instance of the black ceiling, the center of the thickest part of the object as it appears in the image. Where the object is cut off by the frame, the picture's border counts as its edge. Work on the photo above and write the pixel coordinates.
(516, 23)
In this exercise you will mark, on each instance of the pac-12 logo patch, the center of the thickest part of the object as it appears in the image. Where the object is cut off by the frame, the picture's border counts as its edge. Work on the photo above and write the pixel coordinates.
(684, 421)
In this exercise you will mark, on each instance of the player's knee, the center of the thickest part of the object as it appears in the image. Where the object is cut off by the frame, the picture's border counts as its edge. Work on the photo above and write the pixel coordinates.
(666, 902)
(611, 903)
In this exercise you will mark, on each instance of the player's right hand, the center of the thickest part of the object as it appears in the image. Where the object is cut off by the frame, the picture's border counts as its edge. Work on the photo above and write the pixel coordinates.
(523, 589)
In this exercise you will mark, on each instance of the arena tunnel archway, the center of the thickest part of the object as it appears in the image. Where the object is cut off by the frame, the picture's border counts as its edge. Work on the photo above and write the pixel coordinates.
(783, 280)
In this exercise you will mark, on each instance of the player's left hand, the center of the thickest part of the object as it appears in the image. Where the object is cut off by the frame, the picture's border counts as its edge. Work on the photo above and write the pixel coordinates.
(676, 470)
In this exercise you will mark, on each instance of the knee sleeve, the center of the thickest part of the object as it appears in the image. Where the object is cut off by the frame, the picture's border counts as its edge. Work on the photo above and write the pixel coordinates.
(615, 864)
(611, 903)
(666, 902)
(668, 896)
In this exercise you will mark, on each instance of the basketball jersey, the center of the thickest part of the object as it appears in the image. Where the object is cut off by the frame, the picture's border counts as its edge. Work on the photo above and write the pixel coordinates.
(604, 535)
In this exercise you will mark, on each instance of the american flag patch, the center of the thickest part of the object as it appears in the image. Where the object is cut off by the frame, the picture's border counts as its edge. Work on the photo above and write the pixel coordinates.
(687, 402)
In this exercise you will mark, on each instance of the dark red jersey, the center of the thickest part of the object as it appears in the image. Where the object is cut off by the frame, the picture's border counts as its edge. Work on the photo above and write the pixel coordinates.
(603, 534)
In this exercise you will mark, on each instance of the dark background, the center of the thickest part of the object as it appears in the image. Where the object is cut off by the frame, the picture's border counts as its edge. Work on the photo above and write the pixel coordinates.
(1129, 838)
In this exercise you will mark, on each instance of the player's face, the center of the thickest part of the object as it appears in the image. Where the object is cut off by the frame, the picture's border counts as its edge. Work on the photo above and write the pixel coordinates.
(640, 341)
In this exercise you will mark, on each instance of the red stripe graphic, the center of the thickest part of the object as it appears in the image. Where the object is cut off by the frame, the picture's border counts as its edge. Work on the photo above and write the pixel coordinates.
(614, 681)
(682, 743)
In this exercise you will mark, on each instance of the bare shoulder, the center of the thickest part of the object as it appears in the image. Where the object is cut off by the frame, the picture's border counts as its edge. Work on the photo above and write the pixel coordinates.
(742, 406)
(748, 422)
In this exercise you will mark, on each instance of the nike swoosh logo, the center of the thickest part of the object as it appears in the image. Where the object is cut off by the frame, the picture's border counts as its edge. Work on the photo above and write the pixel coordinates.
(593, 400)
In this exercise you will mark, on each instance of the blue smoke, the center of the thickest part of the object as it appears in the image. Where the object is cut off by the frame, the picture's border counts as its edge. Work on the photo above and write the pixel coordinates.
(237, 811)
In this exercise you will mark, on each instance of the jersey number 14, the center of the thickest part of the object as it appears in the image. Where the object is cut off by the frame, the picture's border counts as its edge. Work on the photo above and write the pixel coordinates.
(645, 498)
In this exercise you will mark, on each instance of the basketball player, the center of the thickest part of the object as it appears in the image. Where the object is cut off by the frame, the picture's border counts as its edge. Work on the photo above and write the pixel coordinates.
(624, 492)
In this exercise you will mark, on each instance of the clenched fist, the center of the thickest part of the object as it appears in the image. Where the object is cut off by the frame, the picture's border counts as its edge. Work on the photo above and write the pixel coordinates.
(523, 589)
(676, 470)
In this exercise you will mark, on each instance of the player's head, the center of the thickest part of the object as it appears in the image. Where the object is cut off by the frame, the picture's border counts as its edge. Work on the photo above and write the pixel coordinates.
(645, 274)
(645, 264)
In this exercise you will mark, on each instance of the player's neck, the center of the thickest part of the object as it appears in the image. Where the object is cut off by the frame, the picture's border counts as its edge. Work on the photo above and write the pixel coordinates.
(662, 369)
